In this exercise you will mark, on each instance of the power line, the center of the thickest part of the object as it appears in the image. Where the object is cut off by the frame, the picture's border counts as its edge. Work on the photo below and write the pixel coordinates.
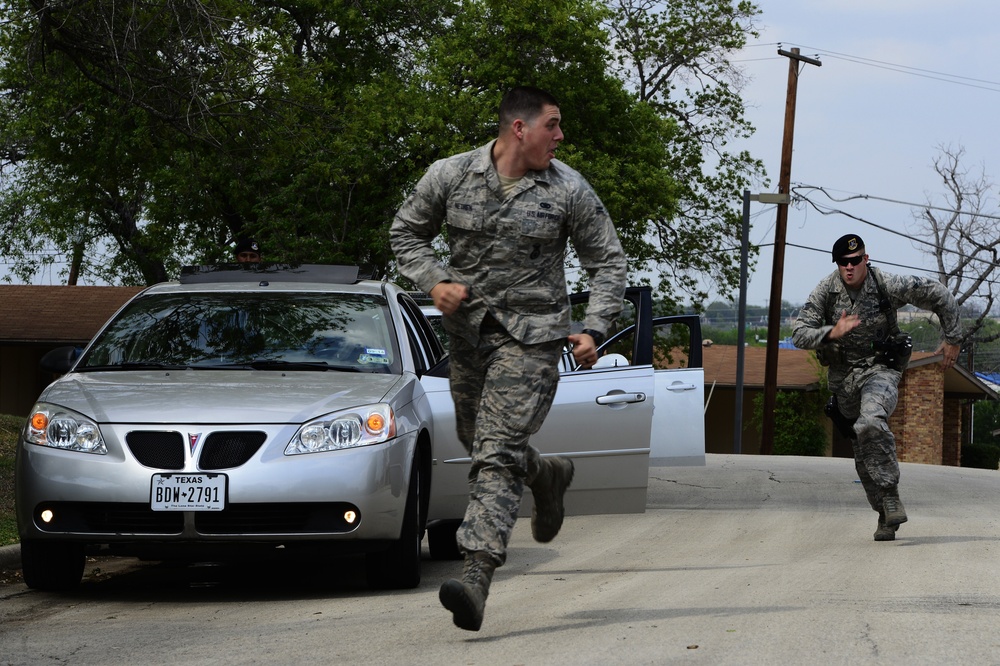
(955, 79)
(824, 210)
(907, 69)
(833, 211)
(958, 211)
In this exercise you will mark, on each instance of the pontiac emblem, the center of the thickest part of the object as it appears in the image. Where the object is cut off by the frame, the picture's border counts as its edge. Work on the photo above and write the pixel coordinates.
(193, 439)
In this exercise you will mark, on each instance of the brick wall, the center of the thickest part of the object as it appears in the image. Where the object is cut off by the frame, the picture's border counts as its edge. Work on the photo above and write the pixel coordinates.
(918, 422)
(954, 417)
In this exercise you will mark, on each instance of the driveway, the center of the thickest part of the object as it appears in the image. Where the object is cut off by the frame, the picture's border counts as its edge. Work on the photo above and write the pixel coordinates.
(748, 560)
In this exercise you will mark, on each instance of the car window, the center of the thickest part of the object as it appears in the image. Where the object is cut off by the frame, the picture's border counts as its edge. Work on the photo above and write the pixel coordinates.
(671, 346)
(426, 305)
(436, 320)
(424, 341)
(251, 330)
(622, 347)
(625, 319)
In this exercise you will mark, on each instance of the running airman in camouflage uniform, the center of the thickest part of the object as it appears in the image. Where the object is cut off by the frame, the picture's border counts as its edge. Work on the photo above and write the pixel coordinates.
(509, 209)
(844, 322)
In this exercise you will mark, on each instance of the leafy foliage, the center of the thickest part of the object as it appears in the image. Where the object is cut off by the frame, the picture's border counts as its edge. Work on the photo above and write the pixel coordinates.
(798, 430)
(10, 427)
(141, 137)
(981, 456)
(986, 422)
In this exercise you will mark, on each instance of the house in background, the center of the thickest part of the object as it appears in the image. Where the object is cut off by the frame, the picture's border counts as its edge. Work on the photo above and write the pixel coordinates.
(35, 320)
(933, 402)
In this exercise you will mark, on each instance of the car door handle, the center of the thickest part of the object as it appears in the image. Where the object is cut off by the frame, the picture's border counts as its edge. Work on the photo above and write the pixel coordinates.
(681, 387)
(620, 398)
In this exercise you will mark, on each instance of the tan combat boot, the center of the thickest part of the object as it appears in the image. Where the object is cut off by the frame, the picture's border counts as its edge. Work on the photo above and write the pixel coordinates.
(548, 488)
(466, 598)
(893, 509)
(885, 532)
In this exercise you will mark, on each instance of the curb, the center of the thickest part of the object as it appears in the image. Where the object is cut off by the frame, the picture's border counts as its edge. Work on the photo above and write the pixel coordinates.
(10, 557)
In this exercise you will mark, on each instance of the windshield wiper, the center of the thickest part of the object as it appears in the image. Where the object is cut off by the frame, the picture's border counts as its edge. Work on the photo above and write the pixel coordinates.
(133, 365)
(321, 366)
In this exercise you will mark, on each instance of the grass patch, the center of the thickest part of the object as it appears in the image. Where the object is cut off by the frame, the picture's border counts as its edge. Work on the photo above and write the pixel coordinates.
(10, 427)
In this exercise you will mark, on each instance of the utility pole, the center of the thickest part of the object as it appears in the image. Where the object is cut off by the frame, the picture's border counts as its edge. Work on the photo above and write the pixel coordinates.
(778, 266)
(742, 316)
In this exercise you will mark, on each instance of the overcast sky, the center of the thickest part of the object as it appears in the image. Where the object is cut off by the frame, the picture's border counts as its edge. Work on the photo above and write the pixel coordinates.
(899, 79)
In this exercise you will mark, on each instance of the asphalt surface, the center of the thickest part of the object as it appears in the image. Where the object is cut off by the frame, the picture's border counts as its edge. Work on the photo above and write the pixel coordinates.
(748, 560)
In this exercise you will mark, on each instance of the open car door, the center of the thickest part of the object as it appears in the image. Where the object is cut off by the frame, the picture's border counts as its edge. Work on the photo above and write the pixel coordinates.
(678, 433)
(601, 418)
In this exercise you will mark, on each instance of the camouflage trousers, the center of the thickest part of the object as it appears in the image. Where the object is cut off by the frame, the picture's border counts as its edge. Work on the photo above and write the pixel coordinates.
(503, 390)
(869, 395)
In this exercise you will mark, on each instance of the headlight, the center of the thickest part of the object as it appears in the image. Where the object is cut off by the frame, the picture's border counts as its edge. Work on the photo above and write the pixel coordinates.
(61, 428)
(372, 424)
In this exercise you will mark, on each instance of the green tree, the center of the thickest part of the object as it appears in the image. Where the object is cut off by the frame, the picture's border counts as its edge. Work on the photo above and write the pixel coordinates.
(619, 143)
(799, 416)
(675, 54)
(798, 430)
(155, 134)
(986, 422)
(145, 136)
(984, 451)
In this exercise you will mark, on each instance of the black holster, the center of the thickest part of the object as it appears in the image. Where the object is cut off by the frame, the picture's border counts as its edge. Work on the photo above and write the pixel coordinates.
(843, 424)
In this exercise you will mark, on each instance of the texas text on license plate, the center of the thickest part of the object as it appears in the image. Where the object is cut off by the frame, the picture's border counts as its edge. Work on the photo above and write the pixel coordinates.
(187, 491)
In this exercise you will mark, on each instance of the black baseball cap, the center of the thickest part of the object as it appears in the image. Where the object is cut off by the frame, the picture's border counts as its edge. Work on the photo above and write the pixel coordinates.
(847, 245)
(247, 245)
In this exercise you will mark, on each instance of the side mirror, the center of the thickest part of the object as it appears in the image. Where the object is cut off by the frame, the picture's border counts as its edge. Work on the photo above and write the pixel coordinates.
(60, 360)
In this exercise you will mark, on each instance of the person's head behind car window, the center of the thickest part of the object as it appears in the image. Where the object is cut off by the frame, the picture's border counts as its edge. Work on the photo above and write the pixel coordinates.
(247, 251)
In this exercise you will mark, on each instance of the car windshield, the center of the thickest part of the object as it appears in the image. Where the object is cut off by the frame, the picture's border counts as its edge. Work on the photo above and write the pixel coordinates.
(254, 331)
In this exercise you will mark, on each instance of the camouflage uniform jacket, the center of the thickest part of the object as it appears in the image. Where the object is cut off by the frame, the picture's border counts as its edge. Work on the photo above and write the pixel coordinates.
(854, 350)
(511, 251)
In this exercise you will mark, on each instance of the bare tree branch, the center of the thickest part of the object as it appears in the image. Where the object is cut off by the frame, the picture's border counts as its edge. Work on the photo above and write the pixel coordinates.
(963, 237)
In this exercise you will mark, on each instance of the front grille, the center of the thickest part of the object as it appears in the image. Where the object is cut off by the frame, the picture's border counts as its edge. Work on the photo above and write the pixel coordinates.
(108, 518)
(290, 518)
(224, 450)
(157, 449)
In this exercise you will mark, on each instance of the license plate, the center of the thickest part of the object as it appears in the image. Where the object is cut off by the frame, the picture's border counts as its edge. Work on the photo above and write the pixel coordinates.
(188, 492)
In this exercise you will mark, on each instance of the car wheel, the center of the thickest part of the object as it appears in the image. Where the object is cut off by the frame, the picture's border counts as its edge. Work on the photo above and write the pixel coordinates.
(398, 567)
(441, 541)
(52, 565)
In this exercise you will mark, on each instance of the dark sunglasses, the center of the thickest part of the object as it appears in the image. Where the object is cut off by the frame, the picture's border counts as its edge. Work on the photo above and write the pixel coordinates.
(850, 261)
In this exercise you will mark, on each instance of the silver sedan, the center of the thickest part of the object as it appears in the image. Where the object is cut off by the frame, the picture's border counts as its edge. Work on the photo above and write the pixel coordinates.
(242, 412)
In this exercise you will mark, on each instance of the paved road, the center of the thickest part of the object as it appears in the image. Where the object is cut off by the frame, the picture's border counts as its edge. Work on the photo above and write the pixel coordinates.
(749, 560)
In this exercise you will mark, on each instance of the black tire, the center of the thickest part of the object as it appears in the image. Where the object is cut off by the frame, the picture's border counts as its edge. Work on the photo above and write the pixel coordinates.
(52, 565)
(398, 567)
(441, 541)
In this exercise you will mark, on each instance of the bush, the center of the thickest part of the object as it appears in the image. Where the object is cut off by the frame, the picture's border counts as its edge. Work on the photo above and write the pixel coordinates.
(798, 428)
(10, 427)
(981, 456)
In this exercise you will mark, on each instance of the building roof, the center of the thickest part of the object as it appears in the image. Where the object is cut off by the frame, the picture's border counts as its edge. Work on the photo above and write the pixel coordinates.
(57, 314)
(799, 370)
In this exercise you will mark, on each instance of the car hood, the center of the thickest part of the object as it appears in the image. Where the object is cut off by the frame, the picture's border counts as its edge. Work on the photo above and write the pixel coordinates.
(215, 396)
